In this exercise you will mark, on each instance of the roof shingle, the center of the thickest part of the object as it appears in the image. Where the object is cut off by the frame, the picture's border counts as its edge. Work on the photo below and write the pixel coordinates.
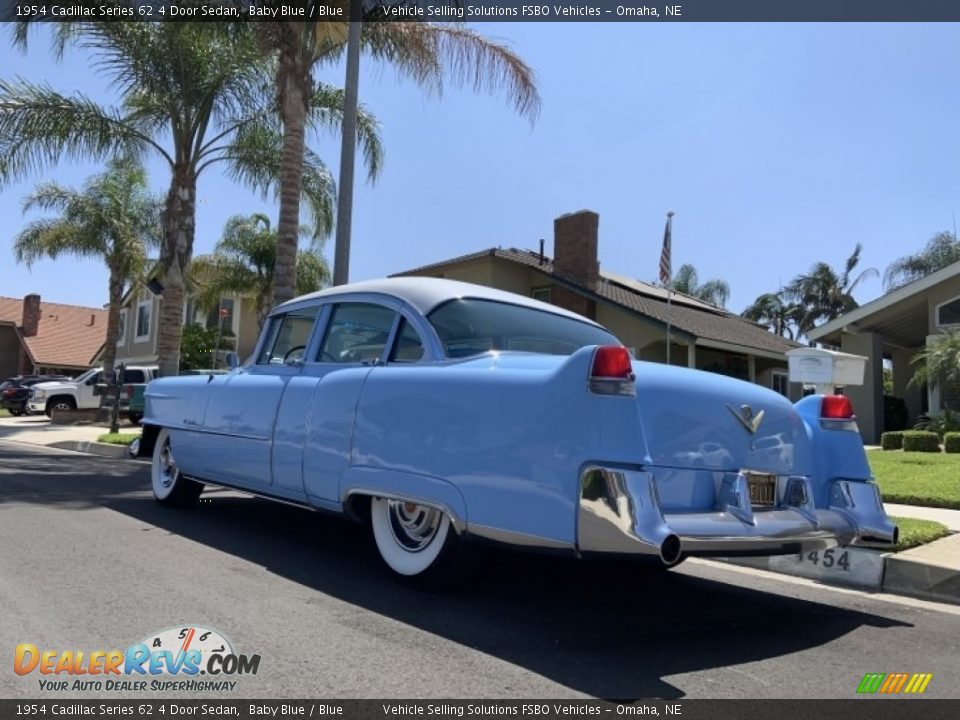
(67, 336)
(686, 314)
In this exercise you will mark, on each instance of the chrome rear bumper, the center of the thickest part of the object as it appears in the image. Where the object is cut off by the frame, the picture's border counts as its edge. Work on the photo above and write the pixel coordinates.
(620, 514)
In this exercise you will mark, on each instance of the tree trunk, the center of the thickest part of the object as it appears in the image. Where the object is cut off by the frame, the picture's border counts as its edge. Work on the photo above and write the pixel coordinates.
(110, 346)
(179, 225)
(294, 82)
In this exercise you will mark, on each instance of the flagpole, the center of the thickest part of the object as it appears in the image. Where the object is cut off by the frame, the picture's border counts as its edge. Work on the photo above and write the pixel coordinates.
(668, 244)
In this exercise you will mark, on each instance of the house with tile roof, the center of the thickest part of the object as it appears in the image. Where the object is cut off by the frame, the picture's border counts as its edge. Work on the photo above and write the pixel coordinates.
(44, 337)
(702, 336)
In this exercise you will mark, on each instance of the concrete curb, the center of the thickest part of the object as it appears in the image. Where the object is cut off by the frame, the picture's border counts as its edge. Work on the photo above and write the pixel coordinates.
(931, 571)
(92, 448)
(901, 573)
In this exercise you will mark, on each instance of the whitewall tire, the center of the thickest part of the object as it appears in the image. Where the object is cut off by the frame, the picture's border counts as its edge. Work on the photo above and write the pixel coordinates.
(413, 540)
(170, 488)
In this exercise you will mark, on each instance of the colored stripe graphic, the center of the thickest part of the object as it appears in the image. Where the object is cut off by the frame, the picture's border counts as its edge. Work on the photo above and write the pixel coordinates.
(918, 683)
(870, 683)
(894, 683)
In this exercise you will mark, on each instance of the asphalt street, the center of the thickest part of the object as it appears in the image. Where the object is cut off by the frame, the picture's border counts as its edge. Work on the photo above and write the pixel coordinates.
(89, 561)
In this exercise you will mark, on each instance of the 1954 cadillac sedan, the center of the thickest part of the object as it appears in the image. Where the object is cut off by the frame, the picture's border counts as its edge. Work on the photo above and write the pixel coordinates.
(442, 412)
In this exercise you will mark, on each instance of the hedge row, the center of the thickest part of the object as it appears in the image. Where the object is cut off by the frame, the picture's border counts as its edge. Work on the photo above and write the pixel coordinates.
(891, 440)
(920, 441)
(951, 442)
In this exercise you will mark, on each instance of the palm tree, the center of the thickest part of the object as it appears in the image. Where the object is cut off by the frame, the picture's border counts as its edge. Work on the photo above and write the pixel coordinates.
(113, 218)
(938, 363)
(716, 292)
(941, 250)
(773, 311)
(244, 263)
(193, 94)
(426, 52)
(825, 294)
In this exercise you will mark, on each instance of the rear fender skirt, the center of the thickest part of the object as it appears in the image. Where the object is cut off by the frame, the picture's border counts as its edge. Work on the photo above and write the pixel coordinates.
(422, 489)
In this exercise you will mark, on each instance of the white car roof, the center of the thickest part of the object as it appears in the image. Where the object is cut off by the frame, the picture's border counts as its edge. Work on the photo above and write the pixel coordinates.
(424, 294)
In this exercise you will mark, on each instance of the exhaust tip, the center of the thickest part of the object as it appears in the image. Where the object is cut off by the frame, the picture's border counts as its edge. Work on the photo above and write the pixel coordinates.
(670, 550)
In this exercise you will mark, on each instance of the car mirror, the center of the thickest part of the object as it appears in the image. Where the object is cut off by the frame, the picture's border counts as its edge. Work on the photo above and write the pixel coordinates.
(232, 360)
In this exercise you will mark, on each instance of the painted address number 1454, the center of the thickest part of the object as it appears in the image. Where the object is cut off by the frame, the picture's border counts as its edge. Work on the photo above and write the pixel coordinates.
(832, 558)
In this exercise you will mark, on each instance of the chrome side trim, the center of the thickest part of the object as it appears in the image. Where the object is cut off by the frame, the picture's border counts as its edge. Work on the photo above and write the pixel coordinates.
(459, 524)
(509, 537)
(859, 502)
(619, 512)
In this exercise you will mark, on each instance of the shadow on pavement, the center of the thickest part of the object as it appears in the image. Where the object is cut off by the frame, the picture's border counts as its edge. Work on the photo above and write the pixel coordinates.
(594, 628)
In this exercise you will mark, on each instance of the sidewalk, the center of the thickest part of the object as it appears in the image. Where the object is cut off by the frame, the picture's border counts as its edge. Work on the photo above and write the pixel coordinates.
(38, 430)
(930, 571)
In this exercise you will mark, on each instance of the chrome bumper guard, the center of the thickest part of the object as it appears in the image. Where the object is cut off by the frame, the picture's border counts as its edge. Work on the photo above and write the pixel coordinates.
(620, 514)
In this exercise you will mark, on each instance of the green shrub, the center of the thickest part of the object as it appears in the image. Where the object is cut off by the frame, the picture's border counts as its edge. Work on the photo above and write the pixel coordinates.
(891, 441)
(920, 441)
(951, 442)
(941, 424)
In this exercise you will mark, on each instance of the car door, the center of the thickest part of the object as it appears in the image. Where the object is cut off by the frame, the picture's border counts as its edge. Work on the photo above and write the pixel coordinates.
(315, 424)
(242, 408)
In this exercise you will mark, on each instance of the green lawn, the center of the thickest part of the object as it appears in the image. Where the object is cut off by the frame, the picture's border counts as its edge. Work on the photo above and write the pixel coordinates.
(915, 478)
(4, 412)
(118, 438)
(915, 532)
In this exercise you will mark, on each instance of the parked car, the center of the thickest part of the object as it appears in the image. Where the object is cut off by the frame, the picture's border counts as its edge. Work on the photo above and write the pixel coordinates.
(131, 396)
(80, 393)
(442, 412)
(14, 392)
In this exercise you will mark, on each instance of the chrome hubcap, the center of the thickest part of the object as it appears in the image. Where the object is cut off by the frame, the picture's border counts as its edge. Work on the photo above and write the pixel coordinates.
(168, 466)
(414, 526)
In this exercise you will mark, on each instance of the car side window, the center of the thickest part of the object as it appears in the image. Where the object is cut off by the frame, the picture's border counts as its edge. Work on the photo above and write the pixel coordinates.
(287, 337)
(357, 332)
(408, 347)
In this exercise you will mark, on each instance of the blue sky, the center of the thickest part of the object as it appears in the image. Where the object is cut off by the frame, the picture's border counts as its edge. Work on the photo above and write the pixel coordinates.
(776, 146)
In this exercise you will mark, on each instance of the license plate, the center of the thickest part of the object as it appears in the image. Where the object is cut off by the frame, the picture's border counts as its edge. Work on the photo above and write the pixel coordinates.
(763, 489)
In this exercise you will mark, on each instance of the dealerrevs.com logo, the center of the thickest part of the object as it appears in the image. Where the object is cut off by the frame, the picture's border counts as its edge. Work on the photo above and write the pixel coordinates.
(181, 652)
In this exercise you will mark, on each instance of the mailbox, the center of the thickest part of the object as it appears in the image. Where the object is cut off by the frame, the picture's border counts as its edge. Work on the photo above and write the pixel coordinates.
(814, 366)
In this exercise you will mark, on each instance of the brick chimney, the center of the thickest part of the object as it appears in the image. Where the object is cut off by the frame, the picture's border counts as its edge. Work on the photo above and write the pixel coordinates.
(575, 259)
(30, 323)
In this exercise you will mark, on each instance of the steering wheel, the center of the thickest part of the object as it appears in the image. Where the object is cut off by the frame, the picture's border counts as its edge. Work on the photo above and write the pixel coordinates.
(290, 356)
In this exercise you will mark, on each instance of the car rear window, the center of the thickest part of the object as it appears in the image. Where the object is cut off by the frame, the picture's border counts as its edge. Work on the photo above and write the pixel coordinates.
(470, 326)
(134, 376)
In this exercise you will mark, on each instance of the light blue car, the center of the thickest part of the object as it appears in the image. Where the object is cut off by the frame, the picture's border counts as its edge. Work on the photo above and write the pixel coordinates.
(443, 412)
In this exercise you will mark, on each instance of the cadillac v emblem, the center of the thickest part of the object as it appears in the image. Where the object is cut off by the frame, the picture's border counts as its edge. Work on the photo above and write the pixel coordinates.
(746, 417)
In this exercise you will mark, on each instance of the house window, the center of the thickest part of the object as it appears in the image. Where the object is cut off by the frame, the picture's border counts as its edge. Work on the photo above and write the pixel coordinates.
(780, 382)
(144, 313)
(949, 312)
(122, 327)
(543, 294)
(223, 310)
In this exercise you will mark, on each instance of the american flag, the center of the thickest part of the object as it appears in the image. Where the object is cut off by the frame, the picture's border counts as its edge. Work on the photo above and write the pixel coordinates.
(665, 274)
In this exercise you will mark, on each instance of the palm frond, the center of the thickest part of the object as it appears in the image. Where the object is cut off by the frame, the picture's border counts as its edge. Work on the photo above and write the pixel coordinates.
(254, 159)
(326, 110)
(39, 127)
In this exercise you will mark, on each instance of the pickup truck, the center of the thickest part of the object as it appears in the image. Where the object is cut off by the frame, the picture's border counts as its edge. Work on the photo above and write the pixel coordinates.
(79, 393)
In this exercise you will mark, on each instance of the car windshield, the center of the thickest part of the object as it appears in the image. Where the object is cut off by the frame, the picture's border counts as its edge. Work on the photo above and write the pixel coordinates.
(470, 327)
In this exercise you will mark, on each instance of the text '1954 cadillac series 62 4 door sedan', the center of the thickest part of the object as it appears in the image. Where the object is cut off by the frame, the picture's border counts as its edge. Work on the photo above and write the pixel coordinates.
(443, 412)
